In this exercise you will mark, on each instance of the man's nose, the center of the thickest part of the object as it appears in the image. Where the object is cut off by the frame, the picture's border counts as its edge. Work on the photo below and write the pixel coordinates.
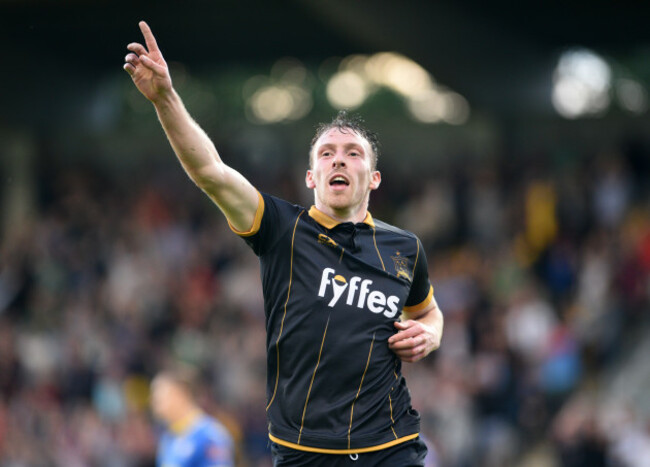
(338, 160)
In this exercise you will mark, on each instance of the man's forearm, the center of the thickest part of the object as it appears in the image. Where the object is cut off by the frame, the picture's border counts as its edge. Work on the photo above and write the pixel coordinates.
(433, 319)
(234, 195)
(191, 144)
(418, 334)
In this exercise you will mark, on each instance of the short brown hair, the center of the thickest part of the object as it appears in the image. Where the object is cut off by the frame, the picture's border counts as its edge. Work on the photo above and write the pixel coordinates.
(184, 376)
(345, 122)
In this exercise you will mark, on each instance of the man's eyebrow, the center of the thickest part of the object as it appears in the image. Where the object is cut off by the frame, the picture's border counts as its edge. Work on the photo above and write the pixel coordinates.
(354, 145)
(346, 146)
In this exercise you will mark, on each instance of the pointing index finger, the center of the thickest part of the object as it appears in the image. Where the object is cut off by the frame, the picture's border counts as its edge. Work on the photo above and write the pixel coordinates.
(148, 37)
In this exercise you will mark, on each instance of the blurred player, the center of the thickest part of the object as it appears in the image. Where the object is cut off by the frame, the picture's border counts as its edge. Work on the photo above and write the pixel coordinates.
(335, 283)
(192, 438)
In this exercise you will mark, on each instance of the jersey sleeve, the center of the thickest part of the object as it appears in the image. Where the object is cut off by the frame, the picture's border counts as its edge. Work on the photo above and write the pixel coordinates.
(421, 294)
(273, 217)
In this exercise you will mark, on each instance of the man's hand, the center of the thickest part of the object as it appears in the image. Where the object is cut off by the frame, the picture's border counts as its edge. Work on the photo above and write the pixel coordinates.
(148, 69)
(418, 337)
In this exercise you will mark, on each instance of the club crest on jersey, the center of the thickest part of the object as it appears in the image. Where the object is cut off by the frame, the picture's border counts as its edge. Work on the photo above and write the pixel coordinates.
(401, 266)
(373, 300)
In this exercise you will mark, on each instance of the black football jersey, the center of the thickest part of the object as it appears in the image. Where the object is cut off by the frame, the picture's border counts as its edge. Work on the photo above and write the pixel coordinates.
(332, 292)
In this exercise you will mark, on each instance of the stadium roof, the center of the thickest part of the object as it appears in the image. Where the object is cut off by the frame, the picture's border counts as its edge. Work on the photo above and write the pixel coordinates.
(498, 54)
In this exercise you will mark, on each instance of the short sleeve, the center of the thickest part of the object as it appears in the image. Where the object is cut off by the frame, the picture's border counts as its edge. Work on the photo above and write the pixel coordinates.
(273, 218)
(256, 222)
(421, 293)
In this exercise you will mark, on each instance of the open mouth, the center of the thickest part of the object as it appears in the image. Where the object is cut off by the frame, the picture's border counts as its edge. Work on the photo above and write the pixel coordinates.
(339, 181)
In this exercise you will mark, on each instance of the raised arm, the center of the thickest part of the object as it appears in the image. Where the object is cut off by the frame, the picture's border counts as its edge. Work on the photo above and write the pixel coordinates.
(234, 195)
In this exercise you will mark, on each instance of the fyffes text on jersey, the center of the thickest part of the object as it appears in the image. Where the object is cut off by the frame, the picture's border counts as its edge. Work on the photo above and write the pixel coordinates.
(357, 292)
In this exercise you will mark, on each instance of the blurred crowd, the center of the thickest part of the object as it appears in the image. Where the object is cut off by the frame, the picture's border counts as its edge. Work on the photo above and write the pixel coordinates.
(541, 267)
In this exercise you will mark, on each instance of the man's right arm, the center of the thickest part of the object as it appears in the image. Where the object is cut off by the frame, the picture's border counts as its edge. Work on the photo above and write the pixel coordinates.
(234, 195)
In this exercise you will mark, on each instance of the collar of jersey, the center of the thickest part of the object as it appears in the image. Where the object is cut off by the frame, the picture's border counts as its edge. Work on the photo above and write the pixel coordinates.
(329, 222)
(179, 426)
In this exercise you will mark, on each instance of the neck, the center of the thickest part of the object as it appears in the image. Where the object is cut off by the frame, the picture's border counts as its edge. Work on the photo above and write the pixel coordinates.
(354, 213)
(346, 214)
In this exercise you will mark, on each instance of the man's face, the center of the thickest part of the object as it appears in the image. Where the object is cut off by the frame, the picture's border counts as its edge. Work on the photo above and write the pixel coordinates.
(342, 174)
(164, 398)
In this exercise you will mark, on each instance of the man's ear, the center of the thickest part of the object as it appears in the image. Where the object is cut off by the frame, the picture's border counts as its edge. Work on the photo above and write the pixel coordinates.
(375, 179)
(309, 180)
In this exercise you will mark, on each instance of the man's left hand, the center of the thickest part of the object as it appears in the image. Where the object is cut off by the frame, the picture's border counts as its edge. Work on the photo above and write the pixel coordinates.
(414, 340)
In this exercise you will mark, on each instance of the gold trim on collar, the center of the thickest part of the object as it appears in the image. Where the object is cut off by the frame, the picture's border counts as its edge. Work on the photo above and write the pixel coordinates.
(329, 222)
(179, 426)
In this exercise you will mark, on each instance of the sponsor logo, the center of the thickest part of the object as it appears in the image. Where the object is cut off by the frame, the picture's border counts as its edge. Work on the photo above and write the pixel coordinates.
(325, 240)
(357, 292)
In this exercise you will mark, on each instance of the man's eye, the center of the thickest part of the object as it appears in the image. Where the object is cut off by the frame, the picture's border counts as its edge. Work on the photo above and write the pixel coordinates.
(354, 154)
(326, 153)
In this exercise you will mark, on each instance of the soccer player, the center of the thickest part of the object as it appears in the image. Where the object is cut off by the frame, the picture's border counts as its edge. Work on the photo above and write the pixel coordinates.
(347, 297)
(192, 438)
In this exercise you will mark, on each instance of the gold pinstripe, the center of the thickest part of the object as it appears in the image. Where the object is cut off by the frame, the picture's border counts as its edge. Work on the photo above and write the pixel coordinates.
(424, 303)
(360, 385)
(320, 352)
(417, 255)
(341, 257)
(277, 342)
(390, 402)
(378, 254)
